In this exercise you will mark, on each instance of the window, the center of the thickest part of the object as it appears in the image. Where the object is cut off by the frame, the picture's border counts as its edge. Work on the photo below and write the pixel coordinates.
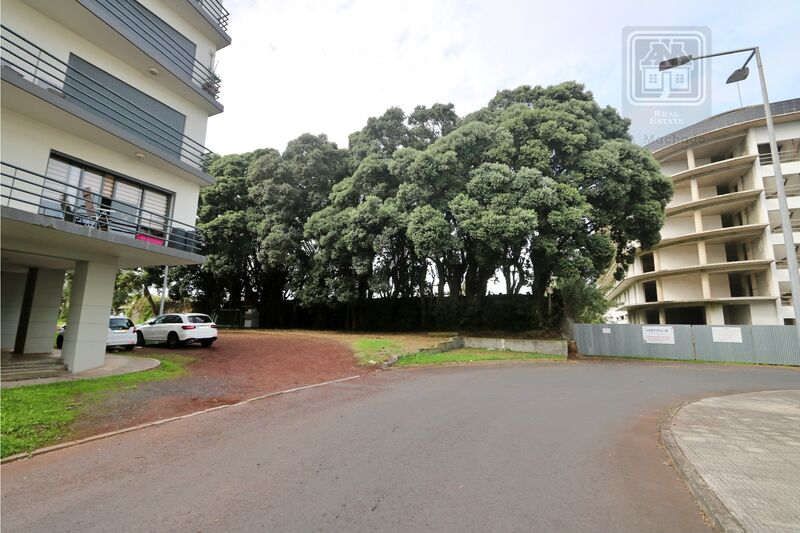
(199, 319)
(120, 324)
(650, 292)
(81, 194)
(648, 263)
(173, 319)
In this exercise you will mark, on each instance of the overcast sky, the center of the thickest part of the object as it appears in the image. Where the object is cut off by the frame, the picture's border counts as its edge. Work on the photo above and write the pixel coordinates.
(299, 66)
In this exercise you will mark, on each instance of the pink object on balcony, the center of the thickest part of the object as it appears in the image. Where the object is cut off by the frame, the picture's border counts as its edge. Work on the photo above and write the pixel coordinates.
(148, 238)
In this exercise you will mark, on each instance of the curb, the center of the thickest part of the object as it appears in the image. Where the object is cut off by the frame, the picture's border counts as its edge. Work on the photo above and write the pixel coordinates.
(69, 444)
(718, 514)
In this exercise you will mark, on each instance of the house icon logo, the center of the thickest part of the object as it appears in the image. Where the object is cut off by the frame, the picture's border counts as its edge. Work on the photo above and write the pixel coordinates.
(645, 84)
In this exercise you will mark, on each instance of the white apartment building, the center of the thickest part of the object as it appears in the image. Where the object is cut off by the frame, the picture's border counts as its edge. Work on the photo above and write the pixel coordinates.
(104, 111)
(721, 259)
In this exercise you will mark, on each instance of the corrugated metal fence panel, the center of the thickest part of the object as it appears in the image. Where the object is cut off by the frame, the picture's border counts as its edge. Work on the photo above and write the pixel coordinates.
(759, 344)
(776, 345)
(626, 340)
(733, 352)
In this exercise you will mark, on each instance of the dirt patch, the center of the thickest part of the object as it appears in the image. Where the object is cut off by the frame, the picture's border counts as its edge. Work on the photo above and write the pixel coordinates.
(238, 366)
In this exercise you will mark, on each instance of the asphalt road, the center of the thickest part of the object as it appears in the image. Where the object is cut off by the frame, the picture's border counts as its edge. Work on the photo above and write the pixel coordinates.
(522, 447)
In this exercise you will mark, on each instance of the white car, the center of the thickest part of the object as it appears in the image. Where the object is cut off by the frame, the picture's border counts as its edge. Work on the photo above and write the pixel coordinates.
(121, 334)
(178, 328)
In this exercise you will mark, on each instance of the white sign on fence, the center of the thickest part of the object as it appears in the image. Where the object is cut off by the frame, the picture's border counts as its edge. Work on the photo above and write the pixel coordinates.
(658, 334)
(726, 335)
(607, 331)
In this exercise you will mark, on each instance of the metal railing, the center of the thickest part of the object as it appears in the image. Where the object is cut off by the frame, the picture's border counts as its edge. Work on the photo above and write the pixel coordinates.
(47, 71)
(785, 156)
(164, 42)
(215, 9)
(54, 198)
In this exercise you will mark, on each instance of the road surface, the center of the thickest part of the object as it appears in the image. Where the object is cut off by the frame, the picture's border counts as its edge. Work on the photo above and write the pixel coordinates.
(565, 447)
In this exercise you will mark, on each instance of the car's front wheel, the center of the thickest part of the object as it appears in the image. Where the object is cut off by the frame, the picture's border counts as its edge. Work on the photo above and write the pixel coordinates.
(172, 340)
(139, 339)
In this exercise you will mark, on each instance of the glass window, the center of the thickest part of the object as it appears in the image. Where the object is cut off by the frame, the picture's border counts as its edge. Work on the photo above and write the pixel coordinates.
(79, 194)
(173, 319)
(160, 319)
(119, 323)
(199, 319)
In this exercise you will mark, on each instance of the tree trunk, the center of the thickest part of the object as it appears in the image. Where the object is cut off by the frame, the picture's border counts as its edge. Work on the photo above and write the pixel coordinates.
(146, 294)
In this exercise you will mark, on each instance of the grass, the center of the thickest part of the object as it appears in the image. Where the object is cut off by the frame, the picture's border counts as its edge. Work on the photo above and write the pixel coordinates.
(468, 355)
(39, 415)
(371, 351)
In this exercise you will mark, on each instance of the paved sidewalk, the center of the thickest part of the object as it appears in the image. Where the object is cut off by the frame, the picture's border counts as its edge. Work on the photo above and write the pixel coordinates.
(746, 448)
(116, 364)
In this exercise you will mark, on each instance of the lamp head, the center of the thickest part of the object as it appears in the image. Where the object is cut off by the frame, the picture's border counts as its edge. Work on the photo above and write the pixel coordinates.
(674, 62)
(738, 75)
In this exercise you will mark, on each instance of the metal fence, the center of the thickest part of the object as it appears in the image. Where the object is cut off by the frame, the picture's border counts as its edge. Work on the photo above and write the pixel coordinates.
(774, 345)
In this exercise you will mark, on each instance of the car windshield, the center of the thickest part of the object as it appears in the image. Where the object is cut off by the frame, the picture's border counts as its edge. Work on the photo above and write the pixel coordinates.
(119, 323)
(199, 319)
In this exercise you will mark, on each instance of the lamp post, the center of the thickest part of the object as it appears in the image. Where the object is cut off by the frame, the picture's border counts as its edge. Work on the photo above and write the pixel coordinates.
(788, 238)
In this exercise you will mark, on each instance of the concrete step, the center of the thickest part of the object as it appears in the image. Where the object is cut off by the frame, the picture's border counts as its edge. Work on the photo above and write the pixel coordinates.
(20, 374)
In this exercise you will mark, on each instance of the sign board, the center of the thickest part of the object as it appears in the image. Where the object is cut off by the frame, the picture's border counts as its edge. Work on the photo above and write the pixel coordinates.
(726, 335)
(658, 334)
(607, 331)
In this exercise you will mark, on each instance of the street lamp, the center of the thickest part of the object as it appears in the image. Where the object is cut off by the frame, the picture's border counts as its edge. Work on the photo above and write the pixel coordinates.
(788, 238)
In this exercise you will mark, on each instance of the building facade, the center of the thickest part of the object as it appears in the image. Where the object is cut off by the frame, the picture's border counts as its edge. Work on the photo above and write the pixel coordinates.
(104, 111)
(721, 258)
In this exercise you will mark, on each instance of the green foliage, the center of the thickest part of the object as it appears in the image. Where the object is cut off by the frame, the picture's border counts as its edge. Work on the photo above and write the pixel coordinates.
(39, 415)
(583, 302)
(540, 185)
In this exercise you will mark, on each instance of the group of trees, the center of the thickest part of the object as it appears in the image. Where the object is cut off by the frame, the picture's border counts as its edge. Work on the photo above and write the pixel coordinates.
(540, 189)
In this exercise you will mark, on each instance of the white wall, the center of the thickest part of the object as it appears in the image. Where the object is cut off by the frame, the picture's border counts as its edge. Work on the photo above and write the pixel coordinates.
(677, 226)
(682, 287)
(27, 144)
(679, 256)
(60, 41)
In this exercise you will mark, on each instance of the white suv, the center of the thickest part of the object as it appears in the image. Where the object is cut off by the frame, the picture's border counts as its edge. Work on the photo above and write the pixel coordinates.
(121, 334)
(178, 328)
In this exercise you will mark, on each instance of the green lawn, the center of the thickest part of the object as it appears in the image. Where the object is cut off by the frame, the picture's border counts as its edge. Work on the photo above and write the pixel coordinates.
(40, 415)
(468, 355)
(371, 351)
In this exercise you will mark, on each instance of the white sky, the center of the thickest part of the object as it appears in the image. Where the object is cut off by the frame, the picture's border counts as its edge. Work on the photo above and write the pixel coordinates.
(299, 66)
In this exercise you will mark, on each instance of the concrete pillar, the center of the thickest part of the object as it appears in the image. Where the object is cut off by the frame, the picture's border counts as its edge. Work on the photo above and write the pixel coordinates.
(695, 189)
(714, 315)
(662, 316)
(702, 253)
(656, 260)
(13, 288)
(698, 221)
(41, 331)
(690, 158)
(705, 281)
(89, 309)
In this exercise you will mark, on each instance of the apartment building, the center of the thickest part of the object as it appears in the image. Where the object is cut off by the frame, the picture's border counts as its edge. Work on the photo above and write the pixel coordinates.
(104, 111)
(721, 259)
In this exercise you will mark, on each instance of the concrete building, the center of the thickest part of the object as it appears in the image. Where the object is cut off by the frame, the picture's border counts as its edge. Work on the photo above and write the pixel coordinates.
(104, 111)
(721, 259)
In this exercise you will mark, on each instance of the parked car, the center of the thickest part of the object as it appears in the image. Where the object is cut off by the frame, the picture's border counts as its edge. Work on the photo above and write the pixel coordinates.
(121, 333)
(178, 328)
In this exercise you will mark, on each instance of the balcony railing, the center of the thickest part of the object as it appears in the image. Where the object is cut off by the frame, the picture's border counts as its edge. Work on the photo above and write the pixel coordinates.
(215, 10)
(47, 71)
(133, 19)
(36, 193)
(785, 156)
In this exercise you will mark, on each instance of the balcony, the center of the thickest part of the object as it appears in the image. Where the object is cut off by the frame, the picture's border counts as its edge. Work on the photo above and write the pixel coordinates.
(43, 75)
(215, 10)
(714, 205)
(131, 20)
(36, 193)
